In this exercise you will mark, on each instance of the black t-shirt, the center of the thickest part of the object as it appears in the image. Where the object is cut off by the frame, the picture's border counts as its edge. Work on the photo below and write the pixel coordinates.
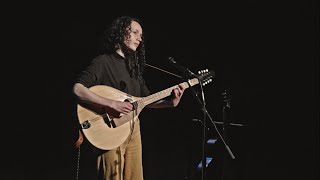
(110, 70)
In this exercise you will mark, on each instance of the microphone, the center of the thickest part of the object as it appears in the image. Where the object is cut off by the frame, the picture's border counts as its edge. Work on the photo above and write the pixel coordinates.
(181, 68)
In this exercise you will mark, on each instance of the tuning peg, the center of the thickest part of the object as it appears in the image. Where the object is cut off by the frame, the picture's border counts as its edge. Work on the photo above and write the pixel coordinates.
(203, 71)
(207, 81)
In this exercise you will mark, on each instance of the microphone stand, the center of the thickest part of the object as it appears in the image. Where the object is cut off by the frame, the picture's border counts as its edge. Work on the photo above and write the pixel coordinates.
(205, 112)
(226, 124)
(204, 138)
(187, 75)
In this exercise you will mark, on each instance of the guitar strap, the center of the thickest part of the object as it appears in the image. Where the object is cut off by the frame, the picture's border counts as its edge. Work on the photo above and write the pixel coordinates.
(77, 144)
(132, 123)
(78, 164)
(79, 141)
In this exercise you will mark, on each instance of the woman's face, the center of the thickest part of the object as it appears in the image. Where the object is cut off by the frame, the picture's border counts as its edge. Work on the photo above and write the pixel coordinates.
(134, 37)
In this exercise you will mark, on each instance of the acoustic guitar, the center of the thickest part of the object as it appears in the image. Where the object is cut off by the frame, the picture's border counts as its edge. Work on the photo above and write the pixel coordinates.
(107, 132)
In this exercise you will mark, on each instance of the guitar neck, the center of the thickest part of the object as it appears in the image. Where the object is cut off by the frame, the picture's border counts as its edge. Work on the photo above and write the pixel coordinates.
(167, 92)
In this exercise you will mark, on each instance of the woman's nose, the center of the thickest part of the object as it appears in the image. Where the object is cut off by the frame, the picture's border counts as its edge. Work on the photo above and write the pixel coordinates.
(139, 38)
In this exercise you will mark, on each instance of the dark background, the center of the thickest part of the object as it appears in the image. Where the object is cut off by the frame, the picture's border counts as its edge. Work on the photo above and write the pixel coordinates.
(264, 52)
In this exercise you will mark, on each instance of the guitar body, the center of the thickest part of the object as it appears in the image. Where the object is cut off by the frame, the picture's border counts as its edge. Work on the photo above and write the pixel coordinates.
(101, 129)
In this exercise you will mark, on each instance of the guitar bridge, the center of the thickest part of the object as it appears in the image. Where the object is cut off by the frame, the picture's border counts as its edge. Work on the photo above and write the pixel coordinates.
(86, 124)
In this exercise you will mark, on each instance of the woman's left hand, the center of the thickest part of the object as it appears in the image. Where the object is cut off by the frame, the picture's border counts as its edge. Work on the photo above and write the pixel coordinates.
(177, 94)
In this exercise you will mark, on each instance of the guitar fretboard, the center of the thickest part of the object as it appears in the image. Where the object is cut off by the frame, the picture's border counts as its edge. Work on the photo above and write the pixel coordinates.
(167, 92)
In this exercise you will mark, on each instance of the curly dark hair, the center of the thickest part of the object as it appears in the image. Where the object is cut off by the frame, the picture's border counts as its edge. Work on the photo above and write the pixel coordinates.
(115, 35)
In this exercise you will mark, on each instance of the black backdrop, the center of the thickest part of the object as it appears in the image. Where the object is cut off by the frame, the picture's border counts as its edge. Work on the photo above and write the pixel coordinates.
(264, 52)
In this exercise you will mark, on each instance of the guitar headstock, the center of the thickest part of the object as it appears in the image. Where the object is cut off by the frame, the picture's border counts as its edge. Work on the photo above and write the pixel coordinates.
(205, 76)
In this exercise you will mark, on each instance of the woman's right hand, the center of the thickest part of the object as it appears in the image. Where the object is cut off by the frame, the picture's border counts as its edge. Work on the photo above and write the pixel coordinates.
(117, 108)
(122, 107)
